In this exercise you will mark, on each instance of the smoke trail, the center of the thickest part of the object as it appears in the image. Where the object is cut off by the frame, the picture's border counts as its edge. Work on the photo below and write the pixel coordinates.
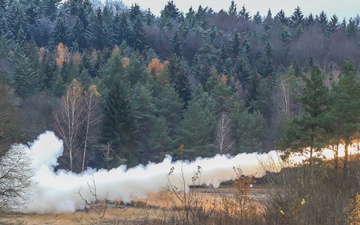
(63, 191)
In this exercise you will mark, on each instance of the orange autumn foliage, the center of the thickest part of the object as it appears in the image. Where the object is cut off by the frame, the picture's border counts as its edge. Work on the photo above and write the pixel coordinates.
(62, 54)
(155, 67)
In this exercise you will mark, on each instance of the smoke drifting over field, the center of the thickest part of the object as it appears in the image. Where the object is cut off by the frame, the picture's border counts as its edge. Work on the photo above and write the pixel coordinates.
(63, 191)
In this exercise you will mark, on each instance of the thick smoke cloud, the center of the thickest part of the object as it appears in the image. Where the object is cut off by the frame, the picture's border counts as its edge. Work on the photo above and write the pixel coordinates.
(63, 191)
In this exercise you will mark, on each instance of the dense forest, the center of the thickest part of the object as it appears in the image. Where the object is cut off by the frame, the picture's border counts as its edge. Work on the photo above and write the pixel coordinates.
(121, 85)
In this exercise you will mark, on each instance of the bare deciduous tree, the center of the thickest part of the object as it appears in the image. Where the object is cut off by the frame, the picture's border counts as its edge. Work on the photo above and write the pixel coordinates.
(77, 121)
(15, 177)
(92, 118)
(68, 119)
(223, 134)
(284, 94)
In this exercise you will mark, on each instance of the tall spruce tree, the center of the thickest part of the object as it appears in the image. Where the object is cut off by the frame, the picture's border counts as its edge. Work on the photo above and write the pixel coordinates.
(243, 13)
(333, 24)
(27, 77)
(280, 17)
(297, 17)
(60, 33)
(161, 141)
(170, 106)
(196, 130)
(136, 71)
(232, 9)
(143, 110)
(250, 131)
(307, 134)
(345, 109)
(119, 126)
(138, 35)
(179, 78)
(49, 8)
(169, 15)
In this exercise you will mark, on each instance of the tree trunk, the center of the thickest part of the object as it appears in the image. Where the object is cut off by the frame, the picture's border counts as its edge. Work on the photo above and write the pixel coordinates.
(346, 159)
(223, 134)
(311, 163)
(311, 156)
(91, 120)
(85, 146)
(336, 158)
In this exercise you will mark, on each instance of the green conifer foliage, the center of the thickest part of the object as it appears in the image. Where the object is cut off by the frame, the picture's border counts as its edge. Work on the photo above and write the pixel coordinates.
(119, 124)
(196, 130)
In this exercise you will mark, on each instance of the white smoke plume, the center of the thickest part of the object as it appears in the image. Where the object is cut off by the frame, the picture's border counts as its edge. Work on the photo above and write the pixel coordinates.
(63, 191)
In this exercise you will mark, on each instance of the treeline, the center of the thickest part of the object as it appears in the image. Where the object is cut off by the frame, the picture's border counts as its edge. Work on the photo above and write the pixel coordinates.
(120, 85)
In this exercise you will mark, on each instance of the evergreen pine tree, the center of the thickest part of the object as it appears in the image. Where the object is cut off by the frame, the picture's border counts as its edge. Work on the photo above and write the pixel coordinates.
(297, 17)
(250, 131)
(112, 68)
(235, 44)
(333, 24)
(232, 9)
(135, 13)
(170, 106)
(322, 21)
(123, 31)
(27, 78)
(307, 133)
(16, 22)
(243, 13)
(179, 78)
(119, 124)
(222, 95)
(345, 108)
(49, 8)
(78, 33)
(150, 18)
(143, 111)
(138, 36)
(32, 10)
(280, 17)
(161, 141)
(175, 45)
(257, 18)
(309, 20)
(57, 85)
(61, 32)
(100, 37)
(169, 15)
(196, 130)
(136, 71)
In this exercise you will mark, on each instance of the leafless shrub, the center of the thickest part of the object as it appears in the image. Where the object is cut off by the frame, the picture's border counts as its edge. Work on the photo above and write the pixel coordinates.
(238, 205)
(99, 206)
(15, 178)
(189, 201)
(298, 198)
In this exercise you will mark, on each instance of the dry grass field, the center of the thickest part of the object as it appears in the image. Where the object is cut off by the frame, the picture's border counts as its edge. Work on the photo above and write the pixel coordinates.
(157, 208)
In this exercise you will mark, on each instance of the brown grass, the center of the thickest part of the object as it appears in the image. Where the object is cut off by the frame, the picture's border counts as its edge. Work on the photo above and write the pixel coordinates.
(156, 207)
(113, 216)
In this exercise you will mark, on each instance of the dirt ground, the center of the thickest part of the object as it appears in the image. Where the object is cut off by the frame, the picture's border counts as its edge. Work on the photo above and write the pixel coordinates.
(155, 207)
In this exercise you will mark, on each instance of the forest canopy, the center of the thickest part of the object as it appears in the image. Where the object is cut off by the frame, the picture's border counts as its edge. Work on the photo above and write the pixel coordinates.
(121, 85)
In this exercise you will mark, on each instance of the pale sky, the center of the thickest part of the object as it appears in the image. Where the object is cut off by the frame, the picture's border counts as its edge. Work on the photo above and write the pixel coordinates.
(343, 8)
